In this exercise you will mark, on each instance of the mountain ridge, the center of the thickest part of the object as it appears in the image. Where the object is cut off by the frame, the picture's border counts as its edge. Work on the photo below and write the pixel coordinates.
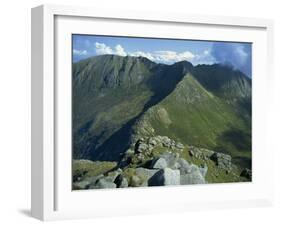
(113, 93)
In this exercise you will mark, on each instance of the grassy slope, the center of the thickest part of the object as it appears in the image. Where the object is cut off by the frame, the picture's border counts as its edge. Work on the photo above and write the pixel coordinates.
(106, 96)
(194, 116)
(109, 93)
(87, 168)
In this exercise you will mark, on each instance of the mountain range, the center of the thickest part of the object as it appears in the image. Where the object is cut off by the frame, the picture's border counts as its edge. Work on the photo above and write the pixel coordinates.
(118, 100)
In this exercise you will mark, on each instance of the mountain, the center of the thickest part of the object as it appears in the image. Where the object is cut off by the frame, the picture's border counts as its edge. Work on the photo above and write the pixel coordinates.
(198, 114)
(118, 100)
(109, 94)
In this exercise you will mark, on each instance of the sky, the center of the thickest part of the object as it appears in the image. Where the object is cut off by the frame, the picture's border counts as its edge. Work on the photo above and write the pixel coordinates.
(166, 51)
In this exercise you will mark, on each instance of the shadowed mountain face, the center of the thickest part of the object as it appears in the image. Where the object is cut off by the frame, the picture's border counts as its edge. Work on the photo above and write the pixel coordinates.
(117, 100)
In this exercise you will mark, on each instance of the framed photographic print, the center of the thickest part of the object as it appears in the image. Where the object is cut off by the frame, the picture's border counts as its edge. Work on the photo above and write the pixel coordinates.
(134, 112)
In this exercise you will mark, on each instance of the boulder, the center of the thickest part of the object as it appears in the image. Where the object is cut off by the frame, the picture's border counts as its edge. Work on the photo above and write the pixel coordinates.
(204, 170)
(166, 141)
(223, 161)
(171, 159)
(194, 177)
(159, 163)
(129, 152)
(141, 147)
(93, 180)
(121, 181)
(111, 176)
(152, 141)
(192, 173)
(165, 176)
(140, 157)
(143, 172)
(136, 181)
(104, 183)
(246, 173)
(183, 166)
(179, 146)
(81, 185)
(191, 153)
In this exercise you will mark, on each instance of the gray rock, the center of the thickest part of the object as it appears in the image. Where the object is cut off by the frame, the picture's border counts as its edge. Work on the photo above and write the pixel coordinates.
(171, 159)
(143, 172)
(191, 153)
(183, 166)
(140, 157)
(121, 181)
(204, 170)
(193, 174)
(193, 178)
(105, 183)
(129, 152)
(141, 147)
(179, 146)
(246, 173)
(159, 163)
(136, 181)
(166, 141)
(223, 161)
(93, 180)
(205, 157)
(81, 185)
(152, 141)
(165, 176)
(111, 176)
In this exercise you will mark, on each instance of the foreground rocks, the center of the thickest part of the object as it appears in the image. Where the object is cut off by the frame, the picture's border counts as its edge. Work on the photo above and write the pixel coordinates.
(167, 169)
(140, 167)
(165, 176)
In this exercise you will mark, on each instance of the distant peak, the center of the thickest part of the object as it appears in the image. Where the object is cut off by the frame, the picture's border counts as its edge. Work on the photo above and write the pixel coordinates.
(184, 62)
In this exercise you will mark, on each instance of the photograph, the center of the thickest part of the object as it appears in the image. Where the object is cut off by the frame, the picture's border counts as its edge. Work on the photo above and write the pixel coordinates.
(160, 112)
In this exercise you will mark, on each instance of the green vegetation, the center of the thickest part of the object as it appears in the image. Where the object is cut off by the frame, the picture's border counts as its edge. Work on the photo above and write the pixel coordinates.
(200, 118)
(87, 168)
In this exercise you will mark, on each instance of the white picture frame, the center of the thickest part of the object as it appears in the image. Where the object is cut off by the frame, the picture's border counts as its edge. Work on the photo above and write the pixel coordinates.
(51, 197)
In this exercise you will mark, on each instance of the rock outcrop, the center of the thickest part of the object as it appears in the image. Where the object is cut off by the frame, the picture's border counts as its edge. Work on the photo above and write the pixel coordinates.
(222, 160)
(165, 176)
(144, 168)
(247, 173)
(141, 144)
(167, 169)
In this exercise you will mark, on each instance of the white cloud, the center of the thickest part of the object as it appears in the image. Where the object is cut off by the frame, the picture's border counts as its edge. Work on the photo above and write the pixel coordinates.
(142, 54)
(101, 48)
(204, 58)
(119, 50)
(242, 55)
(206, 52)
(172, 56)
(80, 52)
(238, 55)
(163, 56)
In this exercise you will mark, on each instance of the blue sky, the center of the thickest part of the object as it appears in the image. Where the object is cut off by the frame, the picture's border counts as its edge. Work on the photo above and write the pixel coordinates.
(238, 55)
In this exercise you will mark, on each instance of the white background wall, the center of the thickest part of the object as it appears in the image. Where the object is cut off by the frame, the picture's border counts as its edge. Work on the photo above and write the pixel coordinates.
(15, 112)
